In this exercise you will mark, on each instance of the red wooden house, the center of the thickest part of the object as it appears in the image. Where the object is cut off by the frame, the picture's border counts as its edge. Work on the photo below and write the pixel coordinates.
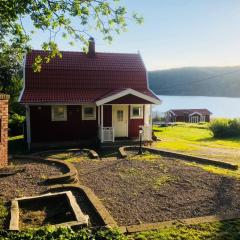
(188, 115)
(87, 96)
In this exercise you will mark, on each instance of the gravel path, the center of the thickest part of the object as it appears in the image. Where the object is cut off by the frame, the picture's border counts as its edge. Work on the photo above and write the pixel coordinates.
(29, 182)
(143, 191)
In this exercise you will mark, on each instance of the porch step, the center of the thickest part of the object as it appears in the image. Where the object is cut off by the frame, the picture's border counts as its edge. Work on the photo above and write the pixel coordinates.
(119, 143)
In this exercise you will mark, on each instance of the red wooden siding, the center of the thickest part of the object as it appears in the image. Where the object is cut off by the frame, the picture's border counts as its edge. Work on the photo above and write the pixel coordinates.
(43, 129)
(107, 113)
(133, 125)
(186, 118)
(130, 99)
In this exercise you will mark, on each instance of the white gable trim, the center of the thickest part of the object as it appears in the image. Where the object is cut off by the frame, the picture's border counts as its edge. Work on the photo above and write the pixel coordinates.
(172, 112)
(126, 92)
(195, 114)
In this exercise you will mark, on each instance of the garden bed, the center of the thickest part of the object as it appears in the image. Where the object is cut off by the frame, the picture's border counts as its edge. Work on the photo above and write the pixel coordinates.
(44, 212)
(48, 209)
(23, 178)
(30, 181)
(157, 188)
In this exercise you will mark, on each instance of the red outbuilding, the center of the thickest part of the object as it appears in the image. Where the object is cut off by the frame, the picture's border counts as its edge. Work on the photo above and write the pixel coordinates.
(87, 96)
(188, 115)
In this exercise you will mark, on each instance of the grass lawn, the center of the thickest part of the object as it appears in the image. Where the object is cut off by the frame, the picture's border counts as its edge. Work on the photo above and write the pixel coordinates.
(196, 139)
(225, 230)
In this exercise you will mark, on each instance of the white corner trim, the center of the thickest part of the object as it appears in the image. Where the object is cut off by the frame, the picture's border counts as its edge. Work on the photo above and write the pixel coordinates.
(28, 126)
(195, 114)
(24, 76)
(126, 92)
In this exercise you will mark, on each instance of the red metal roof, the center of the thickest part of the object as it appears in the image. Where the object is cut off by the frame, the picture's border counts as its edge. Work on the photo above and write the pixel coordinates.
(79, 78)
(72, 96)
(182, 112)
(81, 61)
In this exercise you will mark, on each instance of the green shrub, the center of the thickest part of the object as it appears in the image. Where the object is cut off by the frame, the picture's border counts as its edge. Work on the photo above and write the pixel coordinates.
(3, 213)
(52, 233)
(225, 128)
(16, 123)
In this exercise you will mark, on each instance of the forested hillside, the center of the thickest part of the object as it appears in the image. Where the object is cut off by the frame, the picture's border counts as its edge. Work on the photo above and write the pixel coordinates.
(197, 81)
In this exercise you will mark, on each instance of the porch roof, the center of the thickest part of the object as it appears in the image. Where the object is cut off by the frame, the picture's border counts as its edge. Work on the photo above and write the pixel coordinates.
(129, 96)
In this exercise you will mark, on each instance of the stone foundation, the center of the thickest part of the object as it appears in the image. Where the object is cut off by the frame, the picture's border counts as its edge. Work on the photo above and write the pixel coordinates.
(3, 130)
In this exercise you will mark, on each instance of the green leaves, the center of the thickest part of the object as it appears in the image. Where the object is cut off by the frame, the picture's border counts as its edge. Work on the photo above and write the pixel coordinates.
(72, 19)
(52, 233)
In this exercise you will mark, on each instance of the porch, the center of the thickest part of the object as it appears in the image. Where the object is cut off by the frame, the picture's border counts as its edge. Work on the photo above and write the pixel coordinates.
(118, 123)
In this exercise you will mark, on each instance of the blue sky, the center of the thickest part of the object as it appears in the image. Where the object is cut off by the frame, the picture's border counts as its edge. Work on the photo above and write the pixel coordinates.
(177, 33)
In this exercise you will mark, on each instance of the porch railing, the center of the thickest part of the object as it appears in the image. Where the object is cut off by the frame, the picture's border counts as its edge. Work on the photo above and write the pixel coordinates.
(147, 132)
(106, 134)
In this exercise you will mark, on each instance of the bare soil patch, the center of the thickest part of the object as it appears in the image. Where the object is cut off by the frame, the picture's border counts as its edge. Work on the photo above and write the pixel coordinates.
(30, 181)
(152, 190)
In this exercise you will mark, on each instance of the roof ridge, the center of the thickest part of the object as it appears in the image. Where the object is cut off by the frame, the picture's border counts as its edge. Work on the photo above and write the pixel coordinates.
(110, 53)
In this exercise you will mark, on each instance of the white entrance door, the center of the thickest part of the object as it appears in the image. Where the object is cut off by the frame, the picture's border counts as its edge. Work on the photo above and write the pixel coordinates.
(120, 120)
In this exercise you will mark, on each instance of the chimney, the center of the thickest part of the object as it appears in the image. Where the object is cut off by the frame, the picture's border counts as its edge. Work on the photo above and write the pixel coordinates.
(91, 47)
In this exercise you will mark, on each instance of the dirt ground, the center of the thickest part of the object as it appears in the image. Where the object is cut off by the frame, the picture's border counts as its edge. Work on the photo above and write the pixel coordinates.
(153, 190)
(29, 182)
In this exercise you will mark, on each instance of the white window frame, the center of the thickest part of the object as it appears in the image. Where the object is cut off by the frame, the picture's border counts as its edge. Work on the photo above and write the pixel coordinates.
(54, 118)
(194, 119)
(84, 118)
(141, 111)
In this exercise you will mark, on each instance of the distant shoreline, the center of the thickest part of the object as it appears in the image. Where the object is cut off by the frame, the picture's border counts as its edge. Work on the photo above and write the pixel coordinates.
(197, 81)
(194, 96)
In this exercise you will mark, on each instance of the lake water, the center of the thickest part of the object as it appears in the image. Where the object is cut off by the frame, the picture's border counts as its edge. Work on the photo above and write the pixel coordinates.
(219, 106)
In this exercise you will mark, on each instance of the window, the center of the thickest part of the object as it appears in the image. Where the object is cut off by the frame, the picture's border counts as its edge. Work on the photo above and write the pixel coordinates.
(59, 113)
(120, 115)
(88, 112)
(136, 112)
(194, 119)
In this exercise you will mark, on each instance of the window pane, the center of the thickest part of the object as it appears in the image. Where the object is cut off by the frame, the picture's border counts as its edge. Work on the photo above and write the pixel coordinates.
(88, 111)
(120, 115)
(136, 111)
(59, 112)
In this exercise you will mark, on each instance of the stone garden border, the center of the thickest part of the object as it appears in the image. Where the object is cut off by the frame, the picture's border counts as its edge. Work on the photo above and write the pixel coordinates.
(70, 177)
(92, 154)
(80, 218)
(168, 224)
(95, 202)
(207, 161)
